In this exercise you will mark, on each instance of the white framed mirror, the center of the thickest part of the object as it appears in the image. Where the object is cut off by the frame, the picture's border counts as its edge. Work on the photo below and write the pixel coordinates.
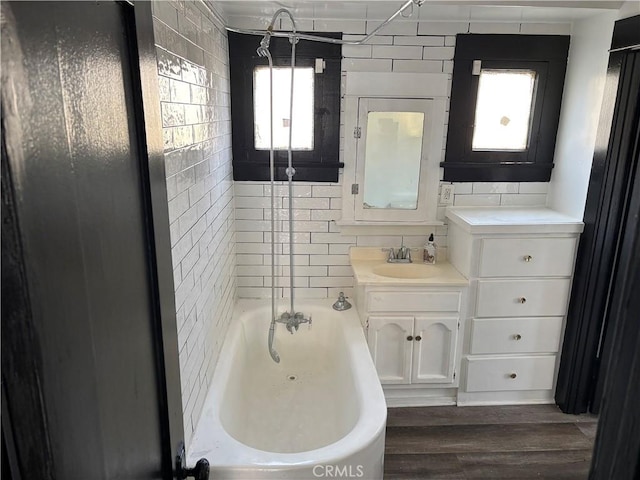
(397, 158)
(393, 145)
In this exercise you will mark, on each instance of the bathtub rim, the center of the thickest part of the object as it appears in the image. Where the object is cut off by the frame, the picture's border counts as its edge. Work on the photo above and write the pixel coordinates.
(212, 441)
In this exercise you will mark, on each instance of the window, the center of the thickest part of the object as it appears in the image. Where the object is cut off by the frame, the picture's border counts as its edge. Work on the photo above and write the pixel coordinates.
(505, 107)
(316, 113)
(302, 136)
(503, 110)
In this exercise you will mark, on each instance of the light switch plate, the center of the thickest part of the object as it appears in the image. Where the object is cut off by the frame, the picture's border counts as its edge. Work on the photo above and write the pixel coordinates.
(446, 194)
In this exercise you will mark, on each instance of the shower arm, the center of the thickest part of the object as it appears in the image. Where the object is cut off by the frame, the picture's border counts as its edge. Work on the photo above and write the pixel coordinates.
(269, 32)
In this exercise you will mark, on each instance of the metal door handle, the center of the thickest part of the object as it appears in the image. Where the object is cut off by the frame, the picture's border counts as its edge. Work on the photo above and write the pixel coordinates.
(199, 472)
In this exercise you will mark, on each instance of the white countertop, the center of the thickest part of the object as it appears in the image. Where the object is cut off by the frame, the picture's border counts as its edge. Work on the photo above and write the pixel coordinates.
(365, 259)
(513, 220)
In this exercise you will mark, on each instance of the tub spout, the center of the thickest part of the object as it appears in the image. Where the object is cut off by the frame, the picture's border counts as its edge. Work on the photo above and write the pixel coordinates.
(291, 327)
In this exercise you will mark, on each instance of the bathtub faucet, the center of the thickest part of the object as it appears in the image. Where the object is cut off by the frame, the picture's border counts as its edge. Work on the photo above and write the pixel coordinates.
(293, 321)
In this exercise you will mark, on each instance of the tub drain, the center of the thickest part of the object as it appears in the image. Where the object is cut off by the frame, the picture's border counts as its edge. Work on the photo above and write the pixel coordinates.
(292, 377)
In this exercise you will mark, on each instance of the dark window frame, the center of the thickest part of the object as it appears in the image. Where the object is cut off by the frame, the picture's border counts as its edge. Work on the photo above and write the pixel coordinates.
(318, 165)
(544, 54)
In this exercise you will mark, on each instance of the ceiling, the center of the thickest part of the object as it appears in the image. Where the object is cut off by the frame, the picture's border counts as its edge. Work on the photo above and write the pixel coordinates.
(431, 10)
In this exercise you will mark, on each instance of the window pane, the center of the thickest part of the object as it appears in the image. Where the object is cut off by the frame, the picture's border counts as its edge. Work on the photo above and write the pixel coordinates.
(302, 138)
(392, 159)
(503, 110)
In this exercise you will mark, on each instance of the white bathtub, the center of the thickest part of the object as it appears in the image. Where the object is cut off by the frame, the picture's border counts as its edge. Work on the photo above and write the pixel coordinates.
(319, 413)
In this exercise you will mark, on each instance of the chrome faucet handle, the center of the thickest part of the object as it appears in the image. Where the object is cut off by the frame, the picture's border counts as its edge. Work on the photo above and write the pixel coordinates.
(392, 253)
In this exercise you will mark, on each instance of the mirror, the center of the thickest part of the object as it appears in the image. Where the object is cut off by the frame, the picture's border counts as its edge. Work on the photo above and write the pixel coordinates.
(394, 127)
(397, 146)
(393, 150)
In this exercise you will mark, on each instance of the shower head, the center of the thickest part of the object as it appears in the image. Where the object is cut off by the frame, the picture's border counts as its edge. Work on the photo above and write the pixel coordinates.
(263, 49)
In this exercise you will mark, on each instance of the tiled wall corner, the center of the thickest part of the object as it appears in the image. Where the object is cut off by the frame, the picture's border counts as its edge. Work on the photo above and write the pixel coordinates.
(193, 68)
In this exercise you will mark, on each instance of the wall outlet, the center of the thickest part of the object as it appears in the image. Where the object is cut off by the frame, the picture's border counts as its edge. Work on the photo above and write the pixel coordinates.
(446, 194)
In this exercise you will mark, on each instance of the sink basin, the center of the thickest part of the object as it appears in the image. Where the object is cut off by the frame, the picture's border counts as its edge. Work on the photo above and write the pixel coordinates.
(406, 270)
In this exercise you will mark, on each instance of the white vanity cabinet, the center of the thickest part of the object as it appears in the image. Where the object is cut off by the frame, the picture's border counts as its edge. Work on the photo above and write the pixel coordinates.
(413, 325)
(520, 264)
(412, 350)
(415, 340)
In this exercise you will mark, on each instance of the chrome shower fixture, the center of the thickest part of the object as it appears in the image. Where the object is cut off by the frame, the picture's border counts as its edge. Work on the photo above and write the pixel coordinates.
(263, 49)
(293, 319)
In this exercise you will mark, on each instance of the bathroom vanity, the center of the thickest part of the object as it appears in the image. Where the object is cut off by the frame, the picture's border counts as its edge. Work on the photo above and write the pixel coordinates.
(519, 262)
(414, 315)
(485, 328)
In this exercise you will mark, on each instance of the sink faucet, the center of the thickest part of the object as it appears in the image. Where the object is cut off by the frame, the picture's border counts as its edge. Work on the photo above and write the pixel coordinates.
(402, 255)
(293, 322)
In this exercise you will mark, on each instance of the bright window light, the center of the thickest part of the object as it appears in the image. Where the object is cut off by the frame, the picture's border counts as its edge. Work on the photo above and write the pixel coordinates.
(302, 137)
(503, 110)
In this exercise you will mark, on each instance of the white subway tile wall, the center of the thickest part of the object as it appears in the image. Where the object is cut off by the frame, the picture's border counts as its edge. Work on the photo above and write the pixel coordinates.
(321, 253)
(321, 264)
(193, 68)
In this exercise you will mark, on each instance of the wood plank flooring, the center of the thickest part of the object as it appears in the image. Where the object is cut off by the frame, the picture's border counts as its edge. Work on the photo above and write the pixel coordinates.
(490, 443)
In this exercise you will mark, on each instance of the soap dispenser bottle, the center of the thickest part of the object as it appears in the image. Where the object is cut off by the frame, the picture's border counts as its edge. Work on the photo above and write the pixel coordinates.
(430, 251)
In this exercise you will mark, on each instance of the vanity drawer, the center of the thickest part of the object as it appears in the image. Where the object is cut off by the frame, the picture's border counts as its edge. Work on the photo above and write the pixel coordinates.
(522, 298)
(515, 335)
(512, 373)
(415, 301)
(527, 257)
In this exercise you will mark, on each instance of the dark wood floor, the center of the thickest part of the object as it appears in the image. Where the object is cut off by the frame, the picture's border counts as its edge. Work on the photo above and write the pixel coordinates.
(505, 442)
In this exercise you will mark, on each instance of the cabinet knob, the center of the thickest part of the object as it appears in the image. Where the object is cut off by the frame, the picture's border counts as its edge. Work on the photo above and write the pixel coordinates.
(513, 375)
(418, 338)
(522, 300)
(517, 336)
(527, 258)
(409, 338)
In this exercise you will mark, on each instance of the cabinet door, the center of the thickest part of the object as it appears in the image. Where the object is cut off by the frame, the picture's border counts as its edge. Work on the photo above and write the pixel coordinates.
(390, 347)
(434, 349)
(396, 157)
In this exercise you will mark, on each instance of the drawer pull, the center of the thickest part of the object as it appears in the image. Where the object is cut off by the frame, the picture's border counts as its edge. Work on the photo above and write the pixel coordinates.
(513, 375)
(522, 300)
(527, 258)
(418, 338)
(409, 338)
(517, 336)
